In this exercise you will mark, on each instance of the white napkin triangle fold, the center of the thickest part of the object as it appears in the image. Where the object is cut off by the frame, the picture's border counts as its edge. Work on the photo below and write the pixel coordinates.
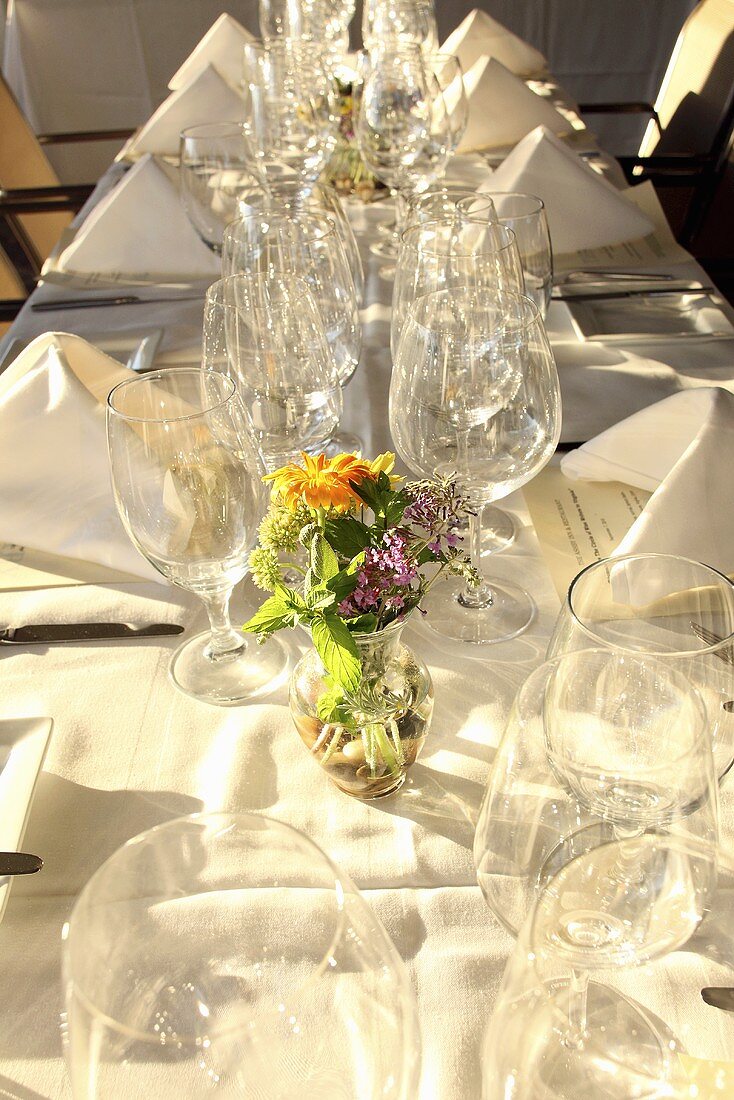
(479, 35)
(221, 47)
(140, 230)
(502, 109)
(54, 471)
(682, 449)
(583, 209)
(206, 97)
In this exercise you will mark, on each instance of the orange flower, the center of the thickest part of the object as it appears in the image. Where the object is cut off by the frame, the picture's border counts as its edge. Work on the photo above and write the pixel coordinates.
(320, 482)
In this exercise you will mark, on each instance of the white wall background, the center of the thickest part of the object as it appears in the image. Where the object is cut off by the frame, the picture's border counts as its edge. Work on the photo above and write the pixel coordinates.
(95, 64)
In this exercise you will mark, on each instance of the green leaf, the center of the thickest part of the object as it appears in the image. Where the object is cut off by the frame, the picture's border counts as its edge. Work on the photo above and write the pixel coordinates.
(270, 616)
(396, 505)
(367, 491)
(292, 600)
(347, 535)
(320, 597)
(343, 584)
(363, 624)
(324, 562)
(337, 649)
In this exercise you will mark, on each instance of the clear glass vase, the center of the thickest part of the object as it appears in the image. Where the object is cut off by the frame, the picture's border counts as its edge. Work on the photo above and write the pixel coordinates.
(383, 724)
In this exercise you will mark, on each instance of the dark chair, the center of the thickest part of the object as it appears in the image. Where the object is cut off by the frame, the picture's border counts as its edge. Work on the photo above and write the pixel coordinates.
(34, 207)
(686, 141)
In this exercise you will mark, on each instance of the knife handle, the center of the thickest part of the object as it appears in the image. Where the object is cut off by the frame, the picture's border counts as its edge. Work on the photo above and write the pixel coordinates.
(83, 303)
(55, 633)
(19, 863)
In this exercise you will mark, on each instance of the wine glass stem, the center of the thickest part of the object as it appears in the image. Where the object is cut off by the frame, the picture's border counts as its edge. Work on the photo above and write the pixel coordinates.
(225, 642)
(578, 990)
(480, 596)
(401, 212)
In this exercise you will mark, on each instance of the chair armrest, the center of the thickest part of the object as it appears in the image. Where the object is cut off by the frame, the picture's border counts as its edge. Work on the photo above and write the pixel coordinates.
(632, 108)
(84, 135)
(41, 200)
(10, 308)
(671, 171)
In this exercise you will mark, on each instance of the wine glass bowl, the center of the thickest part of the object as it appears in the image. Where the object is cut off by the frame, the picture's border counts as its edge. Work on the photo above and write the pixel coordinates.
(606, 716)
(302, 244)
(453, 252)
(665, 607)
(584, 760)
(525, 216)
(226, 954)
(265, 334)
(217, 165)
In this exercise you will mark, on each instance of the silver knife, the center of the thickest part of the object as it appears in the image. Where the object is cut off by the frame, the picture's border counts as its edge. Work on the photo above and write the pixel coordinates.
(719, 997)
(569, 295)
(19, 863)
(119, 300)
(53, 633)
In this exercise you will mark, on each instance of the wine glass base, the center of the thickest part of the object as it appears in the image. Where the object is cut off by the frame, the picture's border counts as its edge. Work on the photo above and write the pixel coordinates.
(387, 248)
(509, 613)
(634, 1048)
(252, 671)
(340, 443)
(499, 530)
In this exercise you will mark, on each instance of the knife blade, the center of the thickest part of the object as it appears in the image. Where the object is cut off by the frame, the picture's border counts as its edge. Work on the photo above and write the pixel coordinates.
(601, 295)
(119, 300)
(719, 997)
(19, 863)
(55, 633)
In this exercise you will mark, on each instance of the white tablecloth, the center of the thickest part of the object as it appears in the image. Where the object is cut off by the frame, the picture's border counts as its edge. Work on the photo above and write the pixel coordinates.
(128, 751)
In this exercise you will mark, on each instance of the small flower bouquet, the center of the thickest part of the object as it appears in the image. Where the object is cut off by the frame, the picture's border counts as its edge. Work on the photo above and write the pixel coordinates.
(346, 169)
(366, 551)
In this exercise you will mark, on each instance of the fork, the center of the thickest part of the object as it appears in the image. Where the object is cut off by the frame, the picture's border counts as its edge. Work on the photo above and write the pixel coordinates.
(709, 638)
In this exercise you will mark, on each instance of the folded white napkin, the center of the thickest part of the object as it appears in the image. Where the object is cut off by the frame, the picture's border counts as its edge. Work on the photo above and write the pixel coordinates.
(206, 97)
(54, 472)
(141, 230)
(681, 449)
(480, 35)
(221, 46)
(583, 209)
(502, 109)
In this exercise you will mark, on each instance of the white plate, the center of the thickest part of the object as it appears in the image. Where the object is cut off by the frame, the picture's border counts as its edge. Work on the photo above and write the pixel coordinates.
(23, 743)
(135, 350)
(650, 317)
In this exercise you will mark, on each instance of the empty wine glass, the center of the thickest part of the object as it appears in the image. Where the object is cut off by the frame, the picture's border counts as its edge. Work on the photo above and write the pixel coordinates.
(217, 165)
(225, 954)
(442, 203)
(557, 1034)
(455, 251)
(292, 121)
(187, 479)
(265, 334)
(306, 245)
(525, 215)
(599, 745)
(449, 75)
(399, 22)
(402, 126)
(320, 198)
(475, 396)
(665, 607)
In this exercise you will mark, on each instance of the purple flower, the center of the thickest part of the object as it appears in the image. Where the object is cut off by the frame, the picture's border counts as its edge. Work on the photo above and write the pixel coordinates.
(385, 568)
(434, 510)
